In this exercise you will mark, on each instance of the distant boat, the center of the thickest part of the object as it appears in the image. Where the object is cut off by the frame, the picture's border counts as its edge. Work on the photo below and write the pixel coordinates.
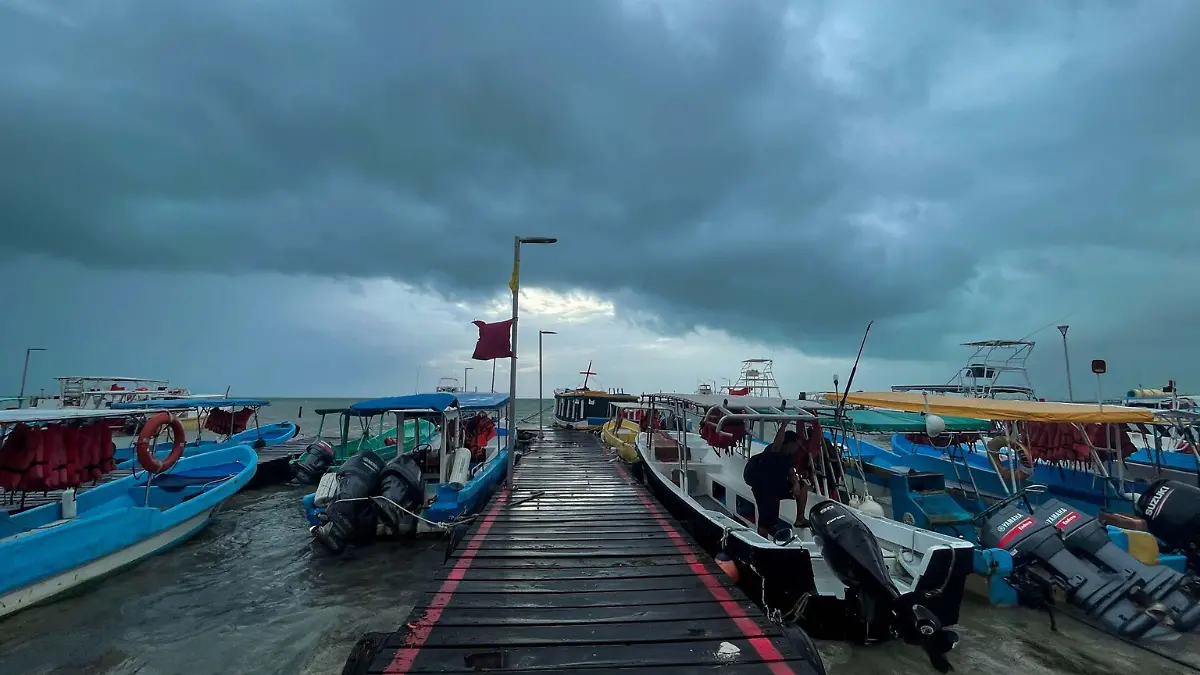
(586, 408)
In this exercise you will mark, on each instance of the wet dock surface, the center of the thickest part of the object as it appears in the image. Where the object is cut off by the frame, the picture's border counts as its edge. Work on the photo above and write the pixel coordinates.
(577, 568)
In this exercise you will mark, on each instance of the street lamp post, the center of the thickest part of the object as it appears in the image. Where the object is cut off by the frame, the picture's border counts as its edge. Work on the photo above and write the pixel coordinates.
(515, 287)
(541, 401)
(24, 373)
(1067, 359)
(464, 388)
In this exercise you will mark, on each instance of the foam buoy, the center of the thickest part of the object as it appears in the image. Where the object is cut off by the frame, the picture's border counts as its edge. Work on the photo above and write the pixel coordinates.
(727, 566)
(934, 425)
(870, 507)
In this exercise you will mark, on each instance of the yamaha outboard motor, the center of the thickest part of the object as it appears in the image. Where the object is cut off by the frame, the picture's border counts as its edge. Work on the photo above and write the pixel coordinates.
(313, 464)
(1042, 562)
(1167, 593)
(402, 494)
(351, 517)
(853, 554)
(1172, 513)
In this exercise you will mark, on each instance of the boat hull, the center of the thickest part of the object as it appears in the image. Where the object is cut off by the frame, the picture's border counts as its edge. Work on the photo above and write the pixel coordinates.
(117, 524)
(48, 589)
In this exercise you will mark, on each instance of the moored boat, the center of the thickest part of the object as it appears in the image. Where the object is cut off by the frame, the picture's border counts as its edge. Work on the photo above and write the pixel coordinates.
(378, 436)
(848, 573)
(1038, 537)
(228, 421)
(585, 408)
(626, 421)
(437, 485)
(85, 533)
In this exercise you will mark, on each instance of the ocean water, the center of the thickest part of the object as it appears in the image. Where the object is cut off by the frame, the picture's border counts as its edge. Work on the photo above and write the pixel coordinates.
(249, 595)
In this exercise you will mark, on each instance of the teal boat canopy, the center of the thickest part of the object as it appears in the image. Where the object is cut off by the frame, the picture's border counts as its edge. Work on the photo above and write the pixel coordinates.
(895, 422)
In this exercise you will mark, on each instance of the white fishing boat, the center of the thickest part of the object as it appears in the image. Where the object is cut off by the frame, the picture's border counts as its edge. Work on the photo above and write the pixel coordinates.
(99, 393)
(851, 574)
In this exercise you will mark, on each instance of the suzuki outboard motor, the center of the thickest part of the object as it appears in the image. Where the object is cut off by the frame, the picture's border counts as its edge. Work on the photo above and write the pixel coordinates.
(351, 517)
(313, 464)
(1167, 592)
(1041, 561)
(851, 551)
(1172, 513)
(402, 493)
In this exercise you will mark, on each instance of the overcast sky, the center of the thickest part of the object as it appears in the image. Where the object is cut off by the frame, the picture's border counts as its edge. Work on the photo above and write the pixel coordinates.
(302, 197)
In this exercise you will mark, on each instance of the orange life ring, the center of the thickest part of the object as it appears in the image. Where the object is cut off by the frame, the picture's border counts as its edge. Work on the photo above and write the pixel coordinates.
(146, 456)
(1022, 467)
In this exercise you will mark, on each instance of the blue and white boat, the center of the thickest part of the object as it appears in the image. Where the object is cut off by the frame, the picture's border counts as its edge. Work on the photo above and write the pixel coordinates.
(442, 481)
(206, 415)
(80, 537)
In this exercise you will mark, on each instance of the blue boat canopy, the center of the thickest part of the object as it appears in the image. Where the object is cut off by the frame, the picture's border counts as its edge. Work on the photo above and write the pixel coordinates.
(182, 403)
(439, 402)
(481, 401)
(377, 406)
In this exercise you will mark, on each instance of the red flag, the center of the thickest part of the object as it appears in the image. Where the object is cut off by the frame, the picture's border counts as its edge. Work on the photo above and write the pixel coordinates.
(495, 340)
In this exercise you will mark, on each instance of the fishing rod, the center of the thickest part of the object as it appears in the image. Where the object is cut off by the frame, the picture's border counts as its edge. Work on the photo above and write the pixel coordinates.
(846, 391)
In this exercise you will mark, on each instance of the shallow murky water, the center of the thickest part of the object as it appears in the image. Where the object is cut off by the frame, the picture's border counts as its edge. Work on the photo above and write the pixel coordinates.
(246, 595)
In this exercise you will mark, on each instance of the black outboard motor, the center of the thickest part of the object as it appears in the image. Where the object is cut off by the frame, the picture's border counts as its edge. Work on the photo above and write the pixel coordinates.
(313, 464)
(1041, 562)
(1167, 592)
(853, 554)
(1172, 513)
(402, 493)
(351, 517)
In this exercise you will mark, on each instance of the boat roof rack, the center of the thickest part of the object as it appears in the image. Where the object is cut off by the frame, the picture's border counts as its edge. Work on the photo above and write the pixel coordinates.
(190, 403)
(29, 415)
(113, 379)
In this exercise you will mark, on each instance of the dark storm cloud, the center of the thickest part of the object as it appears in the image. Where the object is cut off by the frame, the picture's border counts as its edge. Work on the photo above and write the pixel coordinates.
(783, 171)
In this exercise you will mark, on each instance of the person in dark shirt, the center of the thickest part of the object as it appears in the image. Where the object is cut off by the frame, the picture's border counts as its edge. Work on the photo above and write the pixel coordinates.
(772, 477)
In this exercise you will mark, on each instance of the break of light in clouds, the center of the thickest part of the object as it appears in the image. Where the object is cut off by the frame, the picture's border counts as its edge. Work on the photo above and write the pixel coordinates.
(309, 198)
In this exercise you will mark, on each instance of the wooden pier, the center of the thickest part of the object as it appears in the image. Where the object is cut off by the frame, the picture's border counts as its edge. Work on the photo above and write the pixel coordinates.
(578, 569)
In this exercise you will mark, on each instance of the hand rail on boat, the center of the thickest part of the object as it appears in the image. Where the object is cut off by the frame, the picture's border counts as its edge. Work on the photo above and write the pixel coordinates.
(760, 417)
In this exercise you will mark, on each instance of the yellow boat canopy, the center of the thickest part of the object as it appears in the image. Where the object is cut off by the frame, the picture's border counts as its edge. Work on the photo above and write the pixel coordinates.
(995, 409)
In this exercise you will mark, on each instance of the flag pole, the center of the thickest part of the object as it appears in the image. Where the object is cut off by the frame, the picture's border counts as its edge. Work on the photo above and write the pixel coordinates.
(515, 286)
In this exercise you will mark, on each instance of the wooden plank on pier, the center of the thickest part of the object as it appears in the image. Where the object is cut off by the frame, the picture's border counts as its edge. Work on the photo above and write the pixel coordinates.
(579, 569)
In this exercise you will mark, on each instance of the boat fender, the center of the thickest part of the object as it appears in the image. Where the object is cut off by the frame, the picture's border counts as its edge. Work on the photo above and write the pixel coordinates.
(1022, 467)
(460, 471)
(326, 490)
(145, 454)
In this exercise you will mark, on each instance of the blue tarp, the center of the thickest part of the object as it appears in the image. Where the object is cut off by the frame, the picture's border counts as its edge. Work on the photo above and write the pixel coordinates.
(378, 406)
(437, 402)
(176, 404)
(481, 401)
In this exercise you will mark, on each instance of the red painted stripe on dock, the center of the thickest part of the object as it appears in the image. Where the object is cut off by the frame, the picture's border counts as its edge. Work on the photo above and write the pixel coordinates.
(766, 650)
(420, 630)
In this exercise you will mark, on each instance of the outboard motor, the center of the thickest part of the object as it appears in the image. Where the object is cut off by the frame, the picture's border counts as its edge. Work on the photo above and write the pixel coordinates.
(1167, 592)
(853, 554)
(351, 517)
(1041, 562)
(402, 493)
(1172, 513)
(313, 464)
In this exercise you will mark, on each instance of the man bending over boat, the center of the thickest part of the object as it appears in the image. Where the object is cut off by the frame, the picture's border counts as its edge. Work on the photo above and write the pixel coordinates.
(772, 478)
